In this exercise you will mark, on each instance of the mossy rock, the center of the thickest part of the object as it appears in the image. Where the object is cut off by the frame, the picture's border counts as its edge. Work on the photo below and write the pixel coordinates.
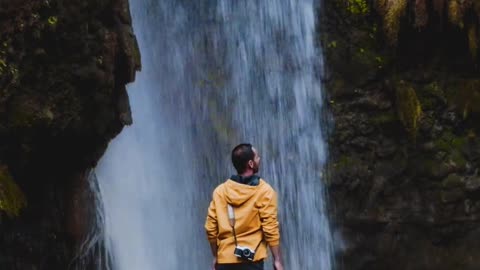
(458, 160)
(431, 168)
(449, 141)
(354, 49)
(465, 96)
(408, 106)
(453, 181)
(12, 199)
(454, 195)
(356, 7)
(348, 166)
(431, 96)
(27, 112)
(384, 119)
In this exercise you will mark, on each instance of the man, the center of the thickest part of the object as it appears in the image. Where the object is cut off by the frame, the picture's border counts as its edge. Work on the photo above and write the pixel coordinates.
(242, 217)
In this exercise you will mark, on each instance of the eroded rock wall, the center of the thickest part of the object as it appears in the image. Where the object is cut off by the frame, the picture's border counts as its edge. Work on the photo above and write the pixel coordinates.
(63, 70)
(404, 146)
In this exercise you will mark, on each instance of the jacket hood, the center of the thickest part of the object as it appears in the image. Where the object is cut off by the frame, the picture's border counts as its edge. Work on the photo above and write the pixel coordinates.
(236, 194)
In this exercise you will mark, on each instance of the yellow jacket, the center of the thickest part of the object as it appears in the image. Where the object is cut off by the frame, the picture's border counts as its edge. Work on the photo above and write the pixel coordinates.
(255, 209)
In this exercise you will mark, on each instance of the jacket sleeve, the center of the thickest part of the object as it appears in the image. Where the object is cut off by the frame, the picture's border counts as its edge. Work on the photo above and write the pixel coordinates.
(269, 218)
(211, 224)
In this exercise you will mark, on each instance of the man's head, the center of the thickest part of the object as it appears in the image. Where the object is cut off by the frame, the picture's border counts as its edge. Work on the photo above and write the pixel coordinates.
(245, 159)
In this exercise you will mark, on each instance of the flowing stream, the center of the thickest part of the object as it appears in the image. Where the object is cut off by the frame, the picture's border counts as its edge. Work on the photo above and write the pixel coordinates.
(216, 73)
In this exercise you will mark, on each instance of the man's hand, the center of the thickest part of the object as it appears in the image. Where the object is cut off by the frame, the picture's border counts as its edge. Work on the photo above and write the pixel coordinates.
(214, 263)
(214, 248)
(277, 265)
(277, 257)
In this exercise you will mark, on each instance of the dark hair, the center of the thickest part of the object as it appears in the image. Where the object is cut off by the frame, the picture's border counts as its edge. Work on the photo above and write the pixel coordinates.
(241, 154)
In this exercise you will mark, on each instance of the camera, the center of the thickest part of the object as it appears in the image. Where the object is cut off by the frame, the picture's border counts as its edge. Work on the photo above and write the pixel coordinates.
(244, 253)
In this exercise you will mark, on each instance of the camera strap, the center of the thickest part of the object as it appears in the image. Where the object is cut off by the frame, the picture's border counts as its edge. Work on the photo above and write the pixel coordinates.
(231, 219)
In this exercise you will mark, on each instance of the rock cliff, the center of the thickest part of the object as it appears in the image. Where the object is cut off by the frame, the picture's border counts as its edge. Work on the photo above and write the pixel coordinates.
(63, 70)
(403, 89)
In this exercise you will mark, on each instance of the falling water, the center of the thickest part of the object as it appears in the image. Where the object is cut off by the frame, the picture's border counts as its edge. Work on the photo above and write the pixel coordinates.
(216, 73)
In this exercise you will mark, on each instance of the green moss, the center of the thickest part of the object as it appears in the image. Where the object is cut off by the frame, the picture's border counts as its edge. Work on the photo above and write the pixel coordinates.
(354, 7)
(453, 181)
(337, 87)
(458, 159)
(52, 20)
(8, 70)
(343, 161)
(99, 60)
(346, 163)
(449, 196)
(459, 142)
(29, 112)
(357, 7)
(465, 96)
(12, 199)
(441, 144)
(452, 145)
(332, 44)
(366, 58)
(449, 141)
(383, 119)
(408, 107)
(431, 166)
(431, 95)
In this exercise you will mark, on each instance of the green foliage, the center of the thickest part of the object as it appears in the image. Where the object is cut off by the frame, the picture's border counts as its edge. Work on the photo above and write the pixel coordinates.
(12, 199)
(357, 7)
(408, 107)
(453, 145)
(449, 141)
(3, 65)
(332, 44)
(431, 95)
(8, 71)
(434, 89)
(458, 159)
(52, 20)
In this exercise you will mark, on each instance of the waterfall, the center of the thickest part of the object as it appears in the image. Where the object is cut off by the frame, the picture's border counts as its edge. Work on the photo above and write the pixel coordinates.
(216, 73)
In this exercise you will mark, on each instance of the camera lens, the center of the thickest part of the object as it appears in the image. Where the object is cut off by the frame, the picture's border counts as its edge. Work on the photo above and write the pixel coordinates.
(246, 252)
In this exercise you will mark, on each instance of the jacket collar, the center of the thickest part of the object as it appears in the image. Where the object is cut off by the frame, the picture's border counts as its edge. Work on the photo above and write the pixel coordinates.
(253, 180)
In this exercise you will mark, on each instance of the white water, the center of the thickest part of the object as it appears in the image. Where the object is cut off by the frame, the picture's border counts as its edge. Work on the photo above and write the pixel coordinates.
(215, 74)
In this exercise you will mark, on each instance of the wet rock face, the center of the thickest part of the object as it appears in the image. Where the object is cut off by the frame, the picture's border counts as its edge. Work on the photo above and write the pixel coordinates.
(63, 70)
(405, 153)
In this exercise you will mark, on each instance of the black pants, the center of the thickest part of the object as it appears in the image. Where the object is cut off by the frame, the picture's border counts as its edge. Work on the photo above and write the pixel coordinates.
(241, 266)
